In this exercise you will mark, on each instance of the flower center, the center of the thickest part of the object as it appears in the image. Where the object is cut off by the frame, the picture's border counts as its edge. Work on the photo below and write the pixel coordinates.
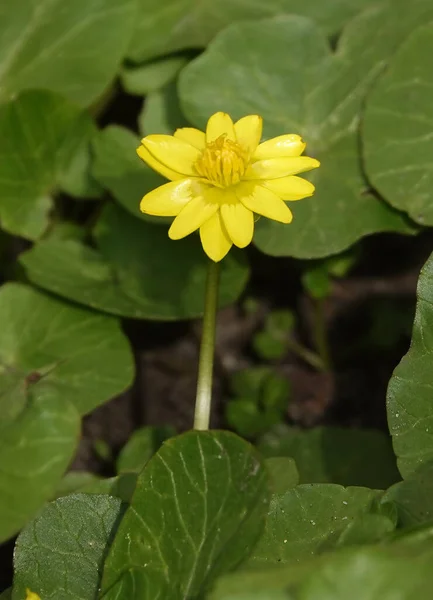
(223, 162)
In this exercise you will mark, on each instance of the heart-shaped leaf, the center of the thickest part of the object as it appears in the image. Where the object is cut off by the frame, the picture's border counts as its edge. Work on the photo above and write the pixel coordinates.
(69, 47)
(397, 138)
(59, 555)
(198, 508)
(409, 399)
(138, 271)
(313, 92)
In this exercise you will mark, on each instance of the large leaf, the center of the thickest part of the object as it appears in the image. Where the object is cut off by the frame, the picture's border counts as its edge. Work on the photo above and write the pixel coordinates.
(414, 497)
(410, 399)
(397, 127)
(138, 271)
(35, 449)
(335, 455)
(161, 112)
(40, 132)
(141, 446)
(163, 27)
(284, 70)
(60, 553)
(309, 519)
(60, 351)
(68, 47)
(151, 77)
(197, 510)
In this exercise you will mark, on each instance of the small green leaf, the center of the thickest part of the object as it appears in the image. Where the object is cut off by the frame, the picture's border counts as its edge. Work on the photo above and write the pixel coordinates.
(35, 450)
(397, 125)
(316, 281)
(269, 347)
(409, 402)
(141, 446)
(151, 77)
(283, 473)
(198, 508)
(248, 383)
(60, 554)
(308, 519)
(73, 482)
(414, 497)
(138, 271)
(162, 112)
(316, 93)
(335, 455)
(60, 351)
(69, 47)
(33, 163)
(244, 417)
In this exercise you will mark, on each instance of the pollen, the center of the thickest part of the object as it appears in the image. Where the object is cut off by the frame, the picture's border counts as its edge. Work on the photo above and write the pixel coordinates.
(222, 162)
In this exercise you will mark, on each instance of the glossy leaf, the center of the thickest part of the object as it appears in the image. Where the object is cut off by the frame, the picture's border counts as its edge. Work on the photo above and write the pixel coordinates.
(138, 271)
(33, 164)
(414, 497)
(409, 399)
(335, 455)
(313, 92)
(198, 508)
(69, 47)
(60, 351)
(165, 27)
(60, 554)
(397, 138)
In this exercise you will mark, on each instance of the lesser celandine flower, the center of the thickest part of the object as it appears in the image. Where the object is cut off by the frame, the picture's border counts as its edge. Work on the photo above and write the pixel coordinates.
(221, 178)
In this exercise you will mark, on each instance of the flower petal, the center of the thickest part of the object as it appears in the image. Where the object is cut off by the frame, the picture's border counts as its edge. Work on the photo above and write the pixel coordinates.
(191, 217)
(249, 132)
(290, 187)
(272, 168)
(239, 223)
(157, 166)
(281, 146)
(215, 241)
(263, 202)
(174, 153)
(193, 136)
(169, 199)
(220, 123)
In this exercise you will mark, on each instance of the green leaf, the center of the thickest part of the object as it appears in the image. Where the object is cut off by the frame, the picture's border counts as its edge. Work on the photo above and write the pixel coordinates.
(172, 25)
(40, 132)
(313, 92)
(161, 112)
(198, 508)
(122, 486)
(69, 47)
(118, 168)
(141, 446)
(308, 519)
(414, 497)
(409, 401)
(138, 271)
(73, 482)
(397, 126)
(335, 455)
(60, 554)
(316, 281)
(35, 450)
(145, 79)
(61, 351)
(283, 473)
(6, 595)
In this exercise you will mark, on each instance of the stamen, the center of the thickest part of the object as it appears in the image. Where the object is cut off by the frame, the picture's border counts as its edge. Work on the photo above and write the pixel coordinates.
(223, 162)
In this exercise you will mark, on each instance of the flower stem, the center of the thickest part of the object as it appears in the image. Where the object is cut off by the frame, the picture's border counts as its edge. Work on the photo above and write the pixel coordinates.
(203, 400)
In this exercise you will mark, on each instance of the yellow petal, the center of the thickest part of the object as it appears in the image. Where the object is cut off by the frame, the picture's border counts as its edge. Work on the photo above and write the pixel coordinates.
(214, 238)
(193, 136)
(32, 595)
(157, 166)
(272, 168)
(290, 187)
(174, 153)
(191, 217)
(281, 146)
(169, 199)
(239, 223)
(263, 202)
(249, 132)
(220, 123)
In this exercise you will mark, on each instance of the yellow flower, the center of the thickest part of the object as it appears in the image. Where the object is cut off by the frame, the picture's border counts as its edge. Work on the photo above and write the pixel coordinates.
(221, 178)
(31, 595)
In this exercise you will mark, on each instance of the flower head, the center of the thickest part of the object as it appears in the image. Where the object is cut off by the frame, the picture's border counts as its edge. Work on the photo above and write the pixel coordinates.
(221, 178)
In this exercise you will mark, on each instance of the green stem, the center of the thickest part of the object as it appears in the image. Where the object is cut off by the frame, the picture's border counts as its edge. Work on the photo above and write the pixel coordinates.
(321, 334)
(203, 400)
(311, 358)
